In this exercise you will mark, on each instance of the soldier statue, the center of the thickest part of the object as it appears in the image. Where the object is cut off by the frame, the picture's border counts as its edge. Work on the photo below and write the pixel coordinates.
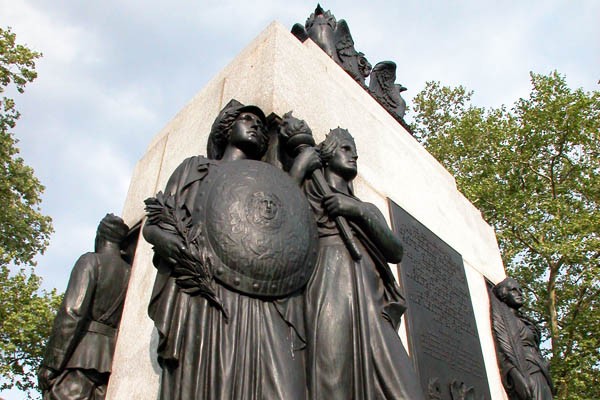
(78, 358)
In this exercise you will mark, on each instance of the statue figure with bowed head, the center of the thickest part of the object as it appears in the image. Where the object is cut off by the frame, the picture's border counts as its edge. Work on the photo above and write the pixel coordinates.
(525, 373)
(79, 353)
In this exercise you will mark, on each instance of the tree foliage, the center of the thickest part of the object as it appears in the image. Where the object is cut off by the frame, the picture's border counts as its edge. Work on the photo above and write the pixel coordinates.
(26, 316)
(26, 313)
(534, 172)
(24, 231)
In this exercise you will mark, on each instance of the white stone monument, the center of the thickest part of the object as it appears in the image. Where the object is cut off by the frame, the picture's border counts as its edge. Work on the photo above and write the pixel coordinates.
(278, 73)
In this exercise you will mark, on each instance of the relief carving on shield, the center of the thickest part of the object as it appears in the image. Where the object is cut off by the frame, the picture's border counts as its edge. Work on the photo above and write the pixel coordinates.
(260, 231)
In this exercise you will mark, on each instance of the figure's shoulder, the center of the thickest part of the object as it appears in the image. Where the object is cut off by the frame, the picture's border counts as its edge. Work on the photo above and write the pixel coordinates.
(190, 170)
(195, 160)
(86, 263)
(88, 258)
(370, 207)
(193, 165)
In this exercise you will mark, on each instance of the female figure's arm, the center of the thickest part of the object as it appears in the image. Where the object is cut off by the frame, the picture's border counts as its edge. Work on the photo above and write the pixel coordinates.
(304, 164)
(368, 217)
(167, 245)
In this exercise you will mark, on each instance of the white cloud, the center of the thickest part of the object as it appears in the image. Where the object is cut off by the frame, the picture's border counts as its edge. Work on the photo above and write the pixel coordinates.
(71, 239)
(62, 43)
(103, 166)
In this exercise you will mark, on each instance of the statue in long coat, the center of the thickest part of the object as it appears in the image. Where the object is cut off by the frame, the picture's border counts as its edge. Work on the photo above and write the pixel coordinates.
(78, 358)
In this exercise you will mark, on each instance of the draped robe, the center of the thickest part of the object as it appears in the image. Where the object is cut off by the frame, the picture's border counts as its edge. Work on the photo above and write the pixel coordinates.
(256, 354)
(353, 311)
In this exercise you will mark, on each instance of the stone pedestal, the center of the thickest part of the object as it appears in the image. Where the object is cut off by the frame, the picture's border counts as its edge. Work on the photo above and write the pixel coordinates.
(278, 73)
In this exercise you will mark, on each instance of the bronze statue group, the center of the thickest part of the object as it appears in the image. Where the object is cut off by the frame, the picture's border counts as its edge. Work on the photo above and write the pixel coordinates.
(272, 281)
(331, 335)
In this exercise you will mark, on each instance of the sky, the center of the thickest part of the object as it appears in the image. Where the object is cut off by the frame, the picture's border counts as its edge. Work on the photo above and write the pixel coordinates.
(113, 73)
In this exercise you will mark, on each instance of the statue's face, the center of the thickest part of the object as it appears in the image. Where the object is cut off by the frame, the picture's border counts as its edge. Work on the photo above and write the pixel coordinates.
(514, 294)
(343, 162)
(248, 134)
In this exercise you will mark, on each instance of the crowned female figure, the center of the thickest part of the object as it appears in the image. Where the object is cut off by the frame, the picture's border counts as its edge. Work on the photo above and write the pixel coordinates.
(352, 303)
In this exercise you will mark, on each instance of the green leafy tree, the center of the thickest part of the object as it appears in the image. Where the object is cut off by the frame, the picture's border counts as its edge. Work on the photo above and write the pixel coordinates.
(534, 172)
(26, 313)
(26, 317)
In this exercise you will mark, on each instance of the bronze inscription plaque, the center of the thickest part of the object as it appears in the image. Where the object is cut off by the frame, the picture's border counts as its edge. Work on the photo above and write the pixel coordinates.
(443, 337)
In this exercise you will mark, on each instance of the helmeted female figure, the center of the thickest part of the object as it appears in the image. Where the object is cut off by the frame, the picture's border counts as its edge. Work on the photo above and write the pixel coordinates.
(225, 329)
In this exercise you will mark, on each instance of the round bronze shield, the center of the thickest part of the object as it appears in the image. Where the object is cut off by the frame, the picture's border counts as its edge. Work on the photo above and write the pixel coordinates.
(259, 228)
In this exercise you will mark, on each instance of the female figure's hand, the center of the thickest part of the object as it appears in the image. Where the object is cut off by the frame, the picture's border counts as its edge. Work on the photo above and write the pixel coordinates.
(337, 204)
(46, 377)
(169, 246)
(304, 164)
(521, 385)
